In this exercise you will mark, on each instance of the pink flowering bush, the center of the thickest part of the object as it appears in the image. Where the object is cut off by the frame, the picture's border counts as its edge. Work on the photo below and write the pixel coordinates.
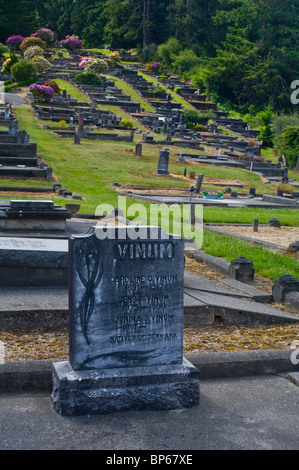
(41, 93)
(14, 42)
(45, 35)
(83, 62)
(72, 42)
(156, 66)
(95, 65)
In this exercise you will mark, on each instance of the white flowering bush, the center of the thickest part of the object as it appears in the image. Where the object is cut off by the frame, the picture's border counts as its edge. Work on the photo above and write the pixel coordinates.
(42, 64)
(33, 52)
(96, 65)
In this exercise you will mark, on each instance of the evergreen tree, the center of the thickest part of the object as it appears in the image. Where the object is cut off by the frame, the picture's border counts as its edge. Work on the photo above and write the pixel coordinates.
(17, 17)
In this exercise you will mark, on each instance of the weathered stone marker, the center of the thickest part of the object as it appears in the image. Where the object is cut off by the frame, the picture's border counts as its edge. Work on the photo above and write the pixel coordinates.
(241, 269)
(126, 325)
(163, 162)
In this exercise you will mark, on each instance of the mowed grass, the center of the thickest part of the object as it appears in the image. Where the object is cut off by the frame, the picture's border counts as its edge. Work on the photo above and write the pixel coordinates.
(267, 264)
(90, 169)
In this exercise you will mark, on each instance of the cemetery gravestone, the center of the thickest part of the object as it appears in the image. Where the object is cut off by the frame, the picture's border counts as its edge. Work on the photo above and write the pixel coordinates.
(22, 137)
(13, 128)
(77, 139)
(199, 183)
(163, 162)
(81, 124)
(126, 326)
(138, 150)
(241, 269)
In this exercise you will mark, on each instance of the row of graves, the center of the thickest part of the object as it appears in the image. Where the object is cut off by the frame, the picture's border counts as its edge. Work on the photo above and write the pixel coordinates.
(68, 67)
(82, 119)
(18, 156)
(232, 150)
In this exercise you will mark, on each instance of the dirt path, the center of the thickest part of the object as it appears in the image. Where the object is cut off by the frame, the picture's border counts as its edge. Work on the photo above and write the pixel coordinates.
(280, 236)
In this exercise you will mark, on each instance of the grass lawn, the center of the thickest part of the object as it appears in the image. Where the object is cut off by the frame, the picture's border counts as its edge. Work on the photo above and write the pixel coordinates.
(91, 168)
(131, 92)
(267, 264)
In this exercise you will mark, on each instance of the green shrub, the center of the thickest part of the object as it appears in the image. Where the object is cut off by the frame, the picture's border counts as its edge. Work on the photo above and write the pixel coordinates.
(33, 41)
(200, 128)
(126, 124)
(288, 144)
(15, 85)
(9, 62)
(88, 78)
(23, 70)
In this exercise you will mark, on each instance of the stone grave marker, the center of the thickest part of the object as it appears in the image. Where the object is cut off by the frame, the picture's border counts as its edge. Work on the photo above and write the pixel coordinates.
(22, 137)
(163, 162)
(13, 128)
(126, 325)
(81, 124)
(199, 183)
(77, 139)
(241, 269)
(138, 149)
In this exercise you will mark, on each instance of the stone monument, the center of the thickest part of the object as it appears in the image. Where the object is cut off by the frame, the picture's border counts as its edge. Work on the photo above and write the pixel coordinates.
(163, 162)
(126, 325)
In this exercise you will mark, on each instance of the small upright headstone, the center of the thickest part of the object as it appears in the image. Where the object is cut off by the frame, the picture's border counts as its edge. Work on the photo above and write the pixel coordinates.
(77, 139)
(163, 162)
(138, 150)
(199, 183)
(13, 128)
(22, 137)
(81, 124)
(255, 225)
(64, 94)
(297, 165)
(126, 325)
(274, 222)
(283, 285)
(241, 269)
(252, 192)
(192, 174)
(7, 113)
(93, 106)
(294, 247)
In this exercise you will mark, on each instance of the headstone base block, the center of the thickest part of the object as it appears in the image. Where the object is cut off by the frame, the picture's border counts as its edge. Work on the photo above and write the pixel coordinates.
(111, 390)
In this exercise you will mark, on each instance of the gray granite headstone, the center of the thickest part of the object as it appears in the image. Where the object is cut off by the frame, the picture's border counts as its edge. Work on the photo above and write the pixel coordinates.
(163, 162)
(241, 269)
(77, 139)
(22, 137)
(126, 325)
(199, 183)
(138, 149)
(284, 285)
(13, 128)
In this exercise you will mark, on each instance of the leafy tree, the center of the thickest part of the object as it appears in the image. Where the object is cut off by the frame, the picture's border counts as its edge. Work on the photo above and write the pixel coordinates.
(166, 53)
(287, 143)
(259, 57)
(17, 17)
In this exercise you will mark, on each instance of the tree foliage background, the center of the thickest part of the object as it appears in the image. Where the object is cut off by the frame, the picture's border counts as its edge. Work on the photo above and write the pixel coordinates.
(244, 53)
